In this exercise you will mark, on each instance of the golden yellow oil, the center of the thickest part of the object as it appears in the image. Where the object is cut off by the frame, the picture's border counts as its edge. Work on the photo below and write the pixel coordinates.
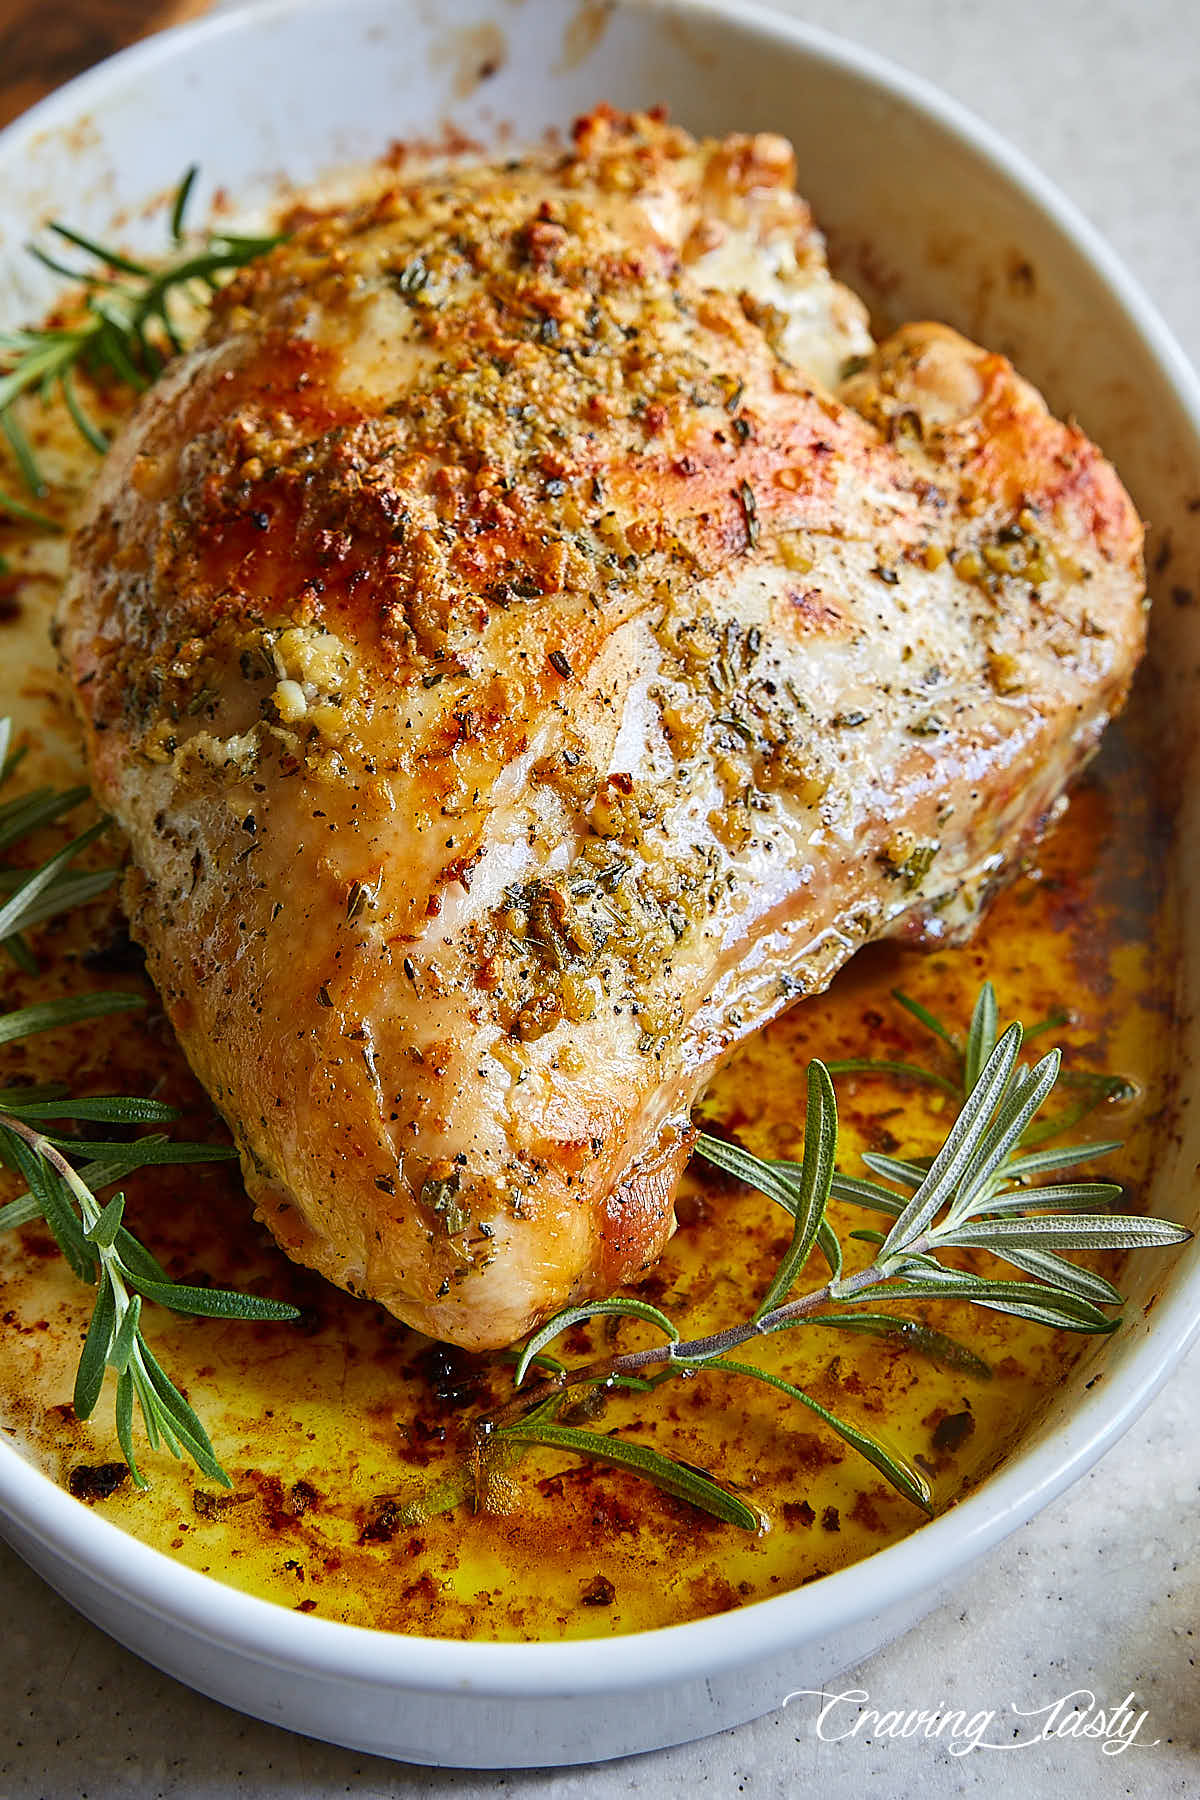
(332, 1429)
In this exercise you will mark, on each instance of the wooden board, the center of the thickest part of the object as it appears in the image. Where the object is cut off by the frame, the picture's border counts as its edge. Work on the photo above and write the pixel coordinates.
(45, 42)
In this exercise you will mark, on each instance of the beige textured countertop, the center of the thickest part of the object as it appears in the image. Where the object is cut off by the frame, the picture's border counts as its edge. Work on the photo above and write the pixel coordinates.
(1102, 1592)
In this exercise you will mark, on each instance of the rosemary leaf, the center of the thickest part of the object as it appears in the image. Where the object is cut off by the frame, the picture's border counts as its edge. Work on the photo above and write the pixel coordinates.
(93, 1237)
(212, 1303)
(21, 1211)
(125, 327)
(115, 337)
(16, 947)
(1047, 1306)
(785, 1196)
(905, 1174)
(109, 1109)
(89, 1377)
(71, 889)
(673, 1477)
(924, 1017)
(1057, 1272)
(1051, 1022)
(107, 1227)
(772, 1179)
(590, 1309)
(79, 276)
(121, 1349)
(103, 253)
(911, 1334)
(183, 1419)
(183, 194)
(155, 1151)
(494, 1455)
(1021, 1299)
(14, 911)
(124, 1423)
(1029, 1089)
(816, 1178)
(88, 431)
(903, 1477)
(873, 1065)
(1040, 1162)
(549, 1365)
(1095, 1090)
(1090, 1231)
(23, 455)
(14, 1098)
(439, 1496)
(1073, 1196)
(958, 1152)
(19, 817)
(157, 1429)
(52, 1015)
(981, 1036)
(830, 1248)
(1096, 1081)
(55, 1207)
(136, 1259)
(865, 1193)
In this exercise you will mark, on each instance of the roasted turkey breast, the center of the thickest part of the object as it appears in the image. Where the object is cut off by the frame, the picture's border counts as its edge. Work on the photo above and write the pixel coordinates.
(532, 639)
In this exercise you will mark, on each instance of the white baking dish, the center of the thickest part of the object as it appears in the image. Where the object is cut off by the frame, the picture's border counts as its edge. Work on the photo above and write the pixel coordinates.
(930, 216)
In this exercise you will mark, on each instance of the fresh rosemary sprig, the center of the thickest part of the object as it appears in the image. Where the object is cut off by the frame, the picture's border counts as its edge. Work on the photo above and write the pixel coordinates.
(129, 327)
(28, 896)
(974, 1194)
(64, 1174)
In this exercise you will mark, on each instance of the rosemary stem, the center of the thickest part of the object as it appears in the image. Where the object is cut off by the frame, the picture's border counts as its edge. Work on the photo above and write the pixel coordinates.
(698, 1351)
(43, 1148)
(89, 1206)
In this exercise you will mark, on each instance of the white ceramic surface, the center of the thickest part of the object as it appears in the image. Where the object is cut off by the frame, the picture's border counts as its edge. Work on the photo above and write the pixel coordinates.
(929, 216)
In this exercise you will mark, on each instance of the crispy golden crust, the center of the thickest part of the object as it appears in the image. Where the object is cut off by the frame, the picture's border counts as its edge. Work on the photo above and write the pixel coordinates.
(520, 676)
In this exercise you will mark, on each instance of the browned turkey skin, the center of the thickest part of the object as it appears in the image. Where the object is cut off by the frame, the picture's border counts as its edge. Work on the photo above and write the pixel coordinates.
(522, 669)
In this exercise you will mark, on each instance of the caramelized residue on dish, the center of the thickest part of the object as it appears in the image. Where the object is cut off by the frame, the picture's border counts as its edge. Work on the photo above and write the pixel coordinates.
(335, 1431)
